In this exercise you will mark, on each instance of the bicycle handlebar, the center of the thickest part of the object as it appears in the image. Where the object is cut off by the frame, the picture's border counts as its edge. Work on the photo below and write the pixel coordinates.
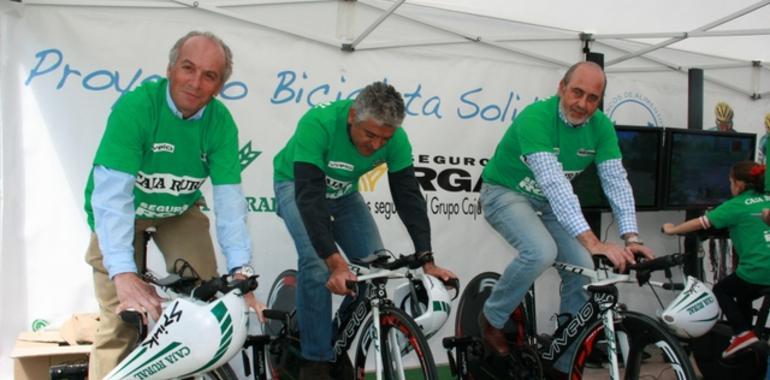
(136, 320)
(412, 261)
(644, 269)
(208, 289)
(658, 263)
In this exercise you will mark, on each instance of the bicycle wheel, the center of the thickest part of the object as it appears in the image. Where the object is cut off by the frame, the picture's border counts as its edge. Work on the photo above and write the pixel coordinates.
(472, 302)
(404, 350)
(523, 362)
(224, 372)
(283, 353)
(644, 349)
(281, 297)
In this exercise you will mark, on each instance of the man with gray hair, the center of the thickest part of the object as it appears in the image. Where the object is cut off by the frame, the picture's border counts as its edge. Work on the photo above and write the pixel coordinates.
(316, 183)
(162, 141)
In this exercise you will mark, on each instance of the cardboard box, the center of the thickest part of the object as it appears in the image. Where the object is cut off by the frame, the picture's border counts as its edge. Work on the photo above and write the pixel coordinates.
(34, 353)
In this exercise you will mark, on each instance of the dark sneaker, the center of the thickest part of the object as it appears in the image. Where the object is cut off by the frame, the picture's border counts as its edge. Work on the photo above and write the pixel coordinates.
(343, 368)
(312, 370)
(554, 374)
(493, 338)
(739, 342)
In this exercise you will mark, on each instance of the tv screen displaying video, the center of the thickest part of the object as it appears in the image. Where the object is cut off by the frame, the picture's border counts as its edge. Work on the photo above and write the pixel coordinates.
(698, 166)
(641, 149)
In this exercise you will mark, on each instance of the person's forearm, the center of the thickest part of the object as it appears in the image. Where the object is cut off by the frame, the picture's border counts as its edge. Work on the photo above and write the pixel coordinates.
(411, 207)
(614, 182)
(558, 190)
(113, 207)
(588, 240)
(232, 231)
(310, 186)
(691, 225)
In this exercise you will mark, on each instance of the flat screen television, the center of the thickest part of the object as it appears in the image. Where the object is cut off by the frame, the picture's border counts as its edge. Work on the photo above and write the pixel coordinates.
(698, 164)
(641, 148)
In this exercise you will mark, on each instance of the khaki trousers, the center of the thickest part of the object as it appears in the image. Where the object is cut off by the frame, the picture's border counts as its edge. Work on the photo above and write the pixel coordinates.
(185, 236)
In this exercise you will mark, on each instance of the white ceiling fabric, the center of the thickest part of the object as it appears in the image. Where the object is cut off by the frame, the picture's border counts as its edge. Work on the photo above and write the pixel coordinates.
(729, 40)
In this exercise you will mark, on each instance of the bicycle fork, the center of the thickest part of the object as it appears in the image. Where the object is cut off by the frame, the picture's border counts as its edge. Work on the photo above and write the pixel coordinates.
(376, 338)
(608, 319)
(391, 348)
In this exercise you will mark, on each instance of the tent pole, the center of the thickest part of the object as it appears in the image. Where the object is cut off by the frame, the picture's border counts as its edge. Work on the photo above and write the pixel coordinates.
(206, 6)
(594, 218)
(706, 27)
(692, 34)
(481, 41)
(673, 67)
(693, 265)
(352, 46)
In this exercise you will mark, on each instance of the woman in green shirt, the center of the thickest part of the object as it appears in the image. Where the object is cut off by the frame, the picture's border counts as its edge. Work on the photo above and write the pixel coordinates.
(751, 237)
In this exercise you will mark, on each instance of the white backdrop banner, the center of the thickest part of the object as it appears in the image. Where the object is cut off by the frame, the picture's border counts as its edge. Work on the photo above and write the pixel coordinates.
(62, 68)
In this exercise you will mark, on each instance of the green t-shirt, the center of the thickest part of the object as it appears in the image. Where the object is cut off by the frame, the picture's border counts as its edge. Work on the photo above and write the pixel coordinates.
(750, 235)
(170, 157)
(322, 139)
(540, 129)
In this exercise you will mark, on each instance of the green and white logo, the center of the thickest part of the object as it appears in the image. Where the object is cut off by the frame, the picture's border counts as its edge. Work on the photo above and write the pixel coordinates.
(247, 155)
(39, 324)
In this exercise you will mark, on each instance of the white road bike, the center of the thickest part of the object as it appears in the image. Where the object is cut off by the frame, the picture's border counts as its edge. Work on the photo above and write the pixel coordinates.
(202, 327)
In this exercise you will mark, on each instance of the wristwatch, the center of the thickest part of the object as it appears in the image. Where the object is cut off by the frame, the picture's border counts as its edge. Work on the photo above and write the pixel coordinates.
(245, 270)
(634, 239)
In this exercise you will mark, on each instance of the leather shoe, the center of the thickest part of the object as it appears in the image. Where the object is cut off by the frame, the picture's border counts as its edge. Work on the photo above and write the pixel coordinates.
(555, 374)
(343, 368)
(313, 370)
(492, 337)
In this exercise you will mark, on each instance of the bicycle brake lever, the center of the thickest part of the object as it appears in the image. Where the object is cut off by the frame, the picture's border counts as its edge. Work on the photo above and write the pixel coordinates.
(453, 283)
(135, 319)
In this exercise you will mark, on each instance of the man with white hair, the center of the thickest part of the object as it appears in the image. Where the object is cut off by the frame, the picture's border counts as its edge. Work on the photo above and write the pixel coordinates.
(162, 141)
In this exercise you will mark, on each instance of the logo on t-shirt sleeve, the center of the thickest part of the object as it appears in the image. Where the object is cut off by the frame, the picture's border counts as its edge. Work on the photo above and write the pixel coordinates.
(341, 166)
(163, 147)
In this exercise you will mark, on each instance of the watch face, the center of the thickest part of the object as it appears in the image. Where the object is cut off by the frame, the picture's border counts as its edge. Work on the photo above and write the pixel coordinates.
(246, 270)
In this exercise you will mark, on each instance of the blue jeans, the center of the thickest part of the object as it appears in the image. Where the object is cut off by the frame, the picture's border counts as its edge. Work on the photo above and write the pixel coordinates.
(355, 232)
(531, 227)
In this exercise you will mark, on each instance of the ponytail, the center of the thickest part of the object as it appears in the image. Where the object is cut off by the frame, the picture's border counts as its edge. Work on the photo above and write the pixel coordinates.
(751, 173)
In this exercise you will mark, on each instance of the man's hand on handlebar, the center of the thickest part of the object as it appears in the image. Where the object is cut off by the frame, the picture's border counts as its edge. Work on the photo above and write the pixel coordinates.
(135, 294)
(340, 274)
(619, 256)
(438, 272)
(638, 249)
(251, 300)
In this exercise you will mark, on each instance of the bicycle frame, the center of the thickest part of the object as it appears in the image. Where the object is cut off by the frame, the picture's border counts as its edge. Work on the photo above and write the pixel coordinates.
(601, 305)
(371, 282)
(598, 316)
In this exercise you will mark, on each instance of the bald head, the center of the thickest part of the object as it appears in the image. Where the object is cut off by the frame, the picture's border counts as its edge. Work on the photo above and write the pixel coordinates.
(584, 66)
(581, 90)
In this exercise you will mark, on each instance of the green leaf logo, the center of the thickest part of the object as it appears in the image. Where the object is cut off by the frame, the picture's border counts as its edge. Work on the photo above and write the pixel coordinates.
(247, 155)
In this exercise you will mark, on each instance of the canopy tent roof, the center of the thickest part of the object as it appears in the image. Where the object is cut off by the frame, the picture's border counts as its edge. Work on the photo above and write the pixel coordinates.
(730, 41)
